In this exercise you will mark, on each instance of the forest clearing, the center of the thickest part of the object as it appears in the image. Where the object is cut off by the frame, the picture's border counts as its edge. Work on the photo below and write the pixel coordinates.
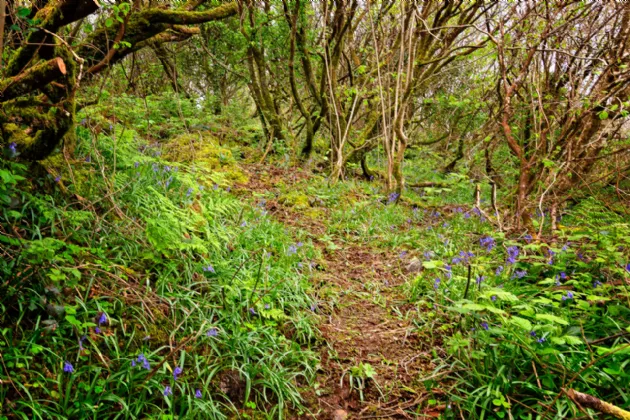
(332, 209)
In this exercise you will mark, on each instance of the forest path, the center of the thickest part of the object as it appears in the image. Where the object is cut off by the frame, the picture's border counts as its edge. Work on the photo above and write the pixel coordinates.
(366, 321)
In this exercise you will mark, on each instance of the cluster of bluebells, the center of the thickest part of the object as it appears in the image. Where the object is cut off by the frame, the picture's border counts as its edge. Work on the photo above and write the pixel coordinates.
(449, 271)
(393, 197)
(519, 274)
(463, 258)
(102, 320)
(488, 242)
(513, 252)
(141, 359)
(568, 296)
(538, 339)
(561, 276)
(293, 249)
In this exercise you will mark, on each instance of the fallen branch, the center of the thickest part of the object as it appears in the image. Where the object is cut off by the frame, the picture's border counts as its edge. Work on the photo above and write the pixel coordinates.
(596, 404)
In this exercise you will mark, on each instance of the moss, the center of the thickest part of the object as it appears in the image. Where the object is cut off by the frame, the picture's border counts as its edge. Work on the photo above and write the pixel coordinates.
(205, 151)
(295, 199)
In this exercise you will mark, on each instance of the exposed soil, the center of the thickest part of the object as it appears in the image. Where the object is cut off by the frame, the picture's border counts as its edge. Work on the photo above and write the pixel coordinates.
(365, 318)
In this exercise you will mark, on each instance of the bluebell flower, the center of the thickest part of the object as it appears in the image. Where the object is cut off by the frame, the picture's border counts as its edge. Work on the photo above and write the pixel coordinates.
(67, 367)
(136, 164)
(208, 268)
(81, 341)
(402, 254)
(102, 319)
(212, 332)
(499, 270)
(189, 191)
(479, 279)
(532, 333)
(528, 238)
(436, 284)
(519, 274)
(313, 307)
(144, 361)
(513, 252)
(596, 284)
(563, 275)
(428, 254)
(252, 311)
(485, 326)
(568, 296)
(178, 371)
(541, 340)
(244, 223)
(168, 391)
(198, 393)
(97, 330)
(488, 242)
(57, 178)
(88, 159)
(566, 246)
(466, 215)
(628, 267)
(133, 363)
(393, 197)
(292, 250)
(476, 211)
(493, 298)
(449, 271)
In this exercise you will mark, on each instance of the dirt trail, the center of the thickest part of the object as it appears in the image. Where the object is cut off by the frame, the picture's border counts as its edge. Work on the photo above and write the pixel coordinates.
(364, 319)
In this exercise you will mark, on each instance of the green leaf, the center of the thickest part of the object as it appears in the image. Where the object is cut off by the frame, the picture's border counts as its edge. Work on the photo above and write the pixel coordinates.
(551, 318)
(521, 322)
(603, 115)
(572, 340)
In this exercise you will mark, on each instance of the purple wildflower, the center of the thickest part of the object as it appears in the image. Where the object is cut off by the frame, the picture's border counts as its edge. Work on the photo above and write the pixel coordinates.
(212, 332)
(532, 333)
(145, 362)
(198, 393)
(596, 284)
(488, 242)
(57, 178)
(513, 252)
(13, 147)
(528, 238)
(541, 340)
(436, 284)
(499, 270)
(209, 268)
(519, 274)
(628, 267)
(136, 164)
(189, 192)
(178, 371)
(67, 367)
(479, 279)
(393, 197)
(168, 391)
(485, 326)
(97, 330)
(292, 250)
(568, 296)
(449, 271)
(102, 319)
(493, 298)
(252, 311)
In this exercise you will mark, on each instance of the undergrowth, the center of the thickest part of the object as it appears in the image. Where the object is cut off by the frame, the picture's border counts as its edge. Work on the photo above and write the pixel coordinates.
(134, 286)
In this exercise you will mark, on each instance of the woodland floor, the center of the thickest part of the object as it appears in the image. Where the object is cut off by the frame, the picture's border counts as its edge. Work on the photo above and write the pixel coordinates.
(358, 324)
